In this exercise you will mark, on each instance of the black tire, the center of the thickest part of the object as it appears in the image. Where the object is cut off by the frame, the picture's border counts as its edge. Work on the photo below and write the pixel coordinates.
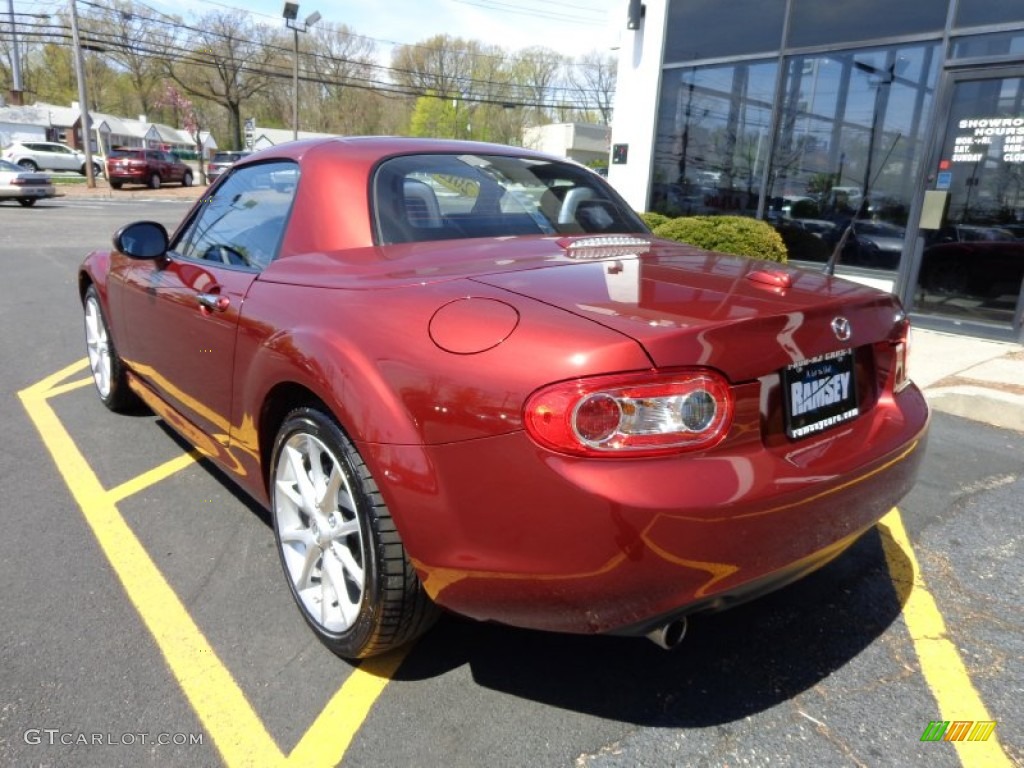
(154, 181)
(117, 184)
(97, 171)
(100, 349)
(186, 180)
(349, 536)
(28, 165)
(28, 202)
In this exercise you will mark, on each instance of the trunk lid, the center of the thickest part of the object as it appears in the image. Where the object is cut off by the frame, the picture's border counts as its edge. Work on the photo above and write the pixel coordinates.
(690, 307)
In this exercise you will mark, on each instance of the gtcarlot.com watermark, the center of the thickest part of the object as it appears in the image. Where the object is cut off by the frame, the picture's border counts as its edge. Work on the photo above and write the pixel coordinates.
(56, 736)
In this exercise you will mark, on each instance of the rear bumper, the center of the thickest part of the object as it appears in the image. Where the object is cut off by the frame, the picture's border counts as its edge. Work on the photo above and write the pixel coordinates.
(139, 175)
(500, 529)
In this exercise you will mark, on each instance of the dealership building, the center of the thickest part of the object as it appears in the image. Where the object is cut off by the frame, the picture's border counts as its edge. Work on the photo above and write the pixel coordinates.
(899, 124)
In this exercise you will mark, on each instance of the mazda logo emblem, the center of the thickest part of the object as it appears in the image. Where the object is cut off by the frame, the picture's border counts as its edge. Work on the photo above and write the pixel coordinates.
(841, 328)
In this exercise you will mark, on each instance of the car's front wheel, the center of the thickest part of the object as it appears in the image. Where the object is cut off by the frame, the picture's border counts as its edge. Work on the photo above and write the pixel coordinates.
(28, 202)
(117, 184)
(186, 180)
(342, 555)
(154, 181)
(107, 369)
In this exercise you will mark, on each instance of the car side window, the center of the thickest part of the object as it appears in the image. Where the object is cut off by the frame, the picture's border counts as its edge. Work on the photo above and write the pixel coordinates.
(243, 223)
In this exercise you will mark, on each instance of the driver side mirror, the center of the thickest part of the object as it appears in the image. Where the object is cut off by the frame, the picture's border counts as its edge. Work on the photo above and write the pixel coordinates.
(142, 240)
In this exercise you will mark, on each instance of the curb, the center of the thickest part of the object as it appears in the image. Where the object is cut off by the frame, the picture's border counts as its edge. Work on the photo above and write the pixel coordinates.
(989, 406)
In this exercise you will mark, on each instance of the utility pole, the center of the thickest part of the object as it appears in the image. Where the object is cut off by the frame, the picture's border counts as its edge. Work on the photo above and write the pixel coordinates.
(17, 88)
(83, 103)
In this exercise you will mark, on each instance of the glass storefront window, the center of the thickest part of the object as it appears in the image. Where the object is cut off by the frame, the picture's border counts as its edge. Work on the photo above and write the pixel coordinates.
(814, 22)
(973, 265)
(850, 142)
(702, 29)
(983, 46)
(711, 148)
(971, 13)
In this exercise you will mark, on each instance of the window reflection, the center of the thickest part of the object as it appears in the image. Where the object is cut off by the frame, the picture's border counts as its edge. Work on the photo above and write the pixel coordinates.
(851, 138)
(973, 266)
(711, 148)
(997, 44)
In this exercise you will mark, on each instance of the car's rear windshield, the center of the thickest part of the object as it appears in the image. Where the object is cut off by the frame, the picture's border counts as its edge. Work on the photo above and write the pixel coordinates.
(448, 197)
(228, 157)
(126, 153)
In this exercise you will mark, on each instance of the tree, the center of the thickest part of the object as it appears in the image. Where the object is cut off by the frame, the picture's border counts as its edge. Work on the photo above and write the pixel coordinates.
(138, 42)
(592, 77)
(229, 59)
(189, 118)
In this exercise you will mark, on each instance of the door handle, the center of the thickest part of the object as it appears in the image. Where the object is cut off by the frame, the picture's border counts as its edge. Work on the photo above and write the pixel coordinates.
(213, 302)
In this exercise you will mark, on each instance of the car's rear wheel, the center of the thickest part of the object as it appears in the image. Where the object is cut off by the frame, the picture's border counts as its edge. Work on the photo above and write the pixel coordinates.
(342, 556)
(117, 184)
(28, 202)
(107, 369)
(186, 180)
(28, 165)
(154, 181)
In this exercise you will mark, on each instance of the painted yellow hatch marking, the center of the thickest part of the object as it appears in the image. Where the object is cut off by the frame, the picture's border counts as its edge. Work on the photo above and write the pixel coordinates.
(237, 731)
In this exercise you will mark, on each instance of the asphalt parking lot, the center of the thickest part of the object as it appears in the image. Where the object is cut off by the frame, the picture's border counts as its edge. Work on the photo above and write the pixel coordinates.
(145, 619)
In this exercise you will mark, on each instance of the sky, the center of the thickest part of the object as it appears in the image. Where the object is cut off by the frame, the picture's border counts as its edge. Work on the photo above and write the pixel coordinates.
(571, 27)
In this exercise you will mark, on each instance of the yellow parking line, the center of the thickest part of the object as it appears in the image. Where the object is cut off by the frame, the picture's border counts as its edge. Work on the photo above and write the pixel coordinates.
(328, 738)
(237, 731)
(941, 665)
(70, 387)
(152, 477)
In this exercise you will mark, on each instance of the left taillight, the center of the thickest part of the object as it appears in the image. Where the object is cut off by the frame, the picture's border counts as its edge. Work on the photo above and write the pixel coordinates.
(642, 414)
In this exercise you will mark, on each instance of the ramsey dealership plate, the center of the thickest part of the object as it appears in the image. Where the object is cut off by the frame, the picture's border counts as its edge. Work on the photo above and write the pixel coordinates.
(819, 393)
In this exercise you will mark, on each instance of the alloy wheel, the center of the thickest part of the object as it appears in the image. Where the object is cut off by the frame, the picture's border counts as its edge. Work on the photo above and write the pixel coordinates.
(320, 532)
(97, 345)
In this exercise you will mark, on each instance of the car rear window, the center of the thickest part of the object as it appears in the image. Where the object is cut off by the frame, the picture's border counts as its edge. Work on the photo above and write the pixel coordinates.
(448, 197)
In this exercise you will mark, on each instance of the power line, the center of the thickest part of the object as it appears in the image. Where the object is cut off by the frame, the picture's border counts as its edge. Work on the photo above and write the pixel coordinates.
(462, 80)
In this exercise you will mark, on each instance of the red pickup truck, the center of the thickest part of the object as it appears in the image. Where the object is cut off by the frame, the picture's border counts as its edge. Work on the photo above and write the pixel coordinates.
(151, 167)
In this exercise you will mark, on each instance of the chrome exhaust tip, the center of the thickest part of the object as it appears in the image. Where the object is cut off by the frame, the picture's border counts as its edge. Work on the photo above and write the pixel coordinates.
(670, 635)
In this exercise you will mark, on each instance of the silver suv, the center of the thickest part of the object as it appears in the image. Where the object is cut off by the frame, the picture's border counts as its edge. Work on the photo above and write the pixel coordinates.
(48, 155)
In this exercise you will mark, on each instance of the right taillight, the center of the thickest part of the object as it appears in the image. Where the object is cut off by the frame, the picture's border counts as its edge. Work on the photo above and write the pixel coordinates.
(642, 414)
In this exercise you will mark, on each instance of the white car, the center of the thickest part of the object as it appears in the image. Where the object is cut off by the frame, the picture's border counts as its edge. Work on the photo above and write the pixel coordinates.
(24, 186)
(48, 155)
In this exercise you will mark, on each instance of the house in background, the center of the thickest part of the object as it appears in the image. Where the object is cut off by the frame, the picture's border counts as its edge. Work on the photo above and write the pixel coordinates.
(50, 122)
(583, 142)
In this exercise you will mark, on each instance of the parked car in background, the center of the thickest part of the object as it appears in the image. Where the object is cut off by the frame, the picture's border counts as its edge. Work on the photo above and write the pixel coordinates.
(467, 375)
(24, 186)
(221, 162)
(150, 167)
(875, 244)
(48, 155)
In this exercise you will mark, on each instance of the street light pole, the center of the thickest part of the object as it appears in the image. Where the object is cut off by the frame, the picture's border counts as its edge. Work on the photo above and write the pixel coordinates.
(291, 15)
(83, 104)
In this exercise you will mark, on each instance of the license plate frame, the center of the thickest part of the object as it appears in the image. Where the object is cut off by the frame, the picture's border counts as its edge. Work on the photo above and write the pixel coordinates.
(820, 393)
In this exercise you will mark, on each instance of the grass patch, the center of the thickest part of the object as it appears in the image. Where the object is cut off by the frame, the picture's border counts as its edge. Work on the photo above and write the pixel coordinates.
(67, 181)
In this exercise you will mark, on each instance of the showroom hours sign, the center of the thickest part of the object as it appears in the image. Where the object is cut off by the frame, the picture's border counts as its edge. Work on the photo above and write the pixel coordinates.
(976, 137)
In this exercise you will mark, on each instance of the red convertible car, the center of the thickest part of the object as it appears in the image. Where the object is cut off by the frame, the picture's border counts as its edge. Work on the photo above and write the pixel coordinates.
(467, 376)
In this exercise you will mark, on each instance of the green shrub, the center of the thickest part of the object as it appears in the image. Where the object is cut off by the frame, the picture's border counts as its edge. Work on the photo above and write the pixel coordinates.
(654, 220)
(738, 235)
